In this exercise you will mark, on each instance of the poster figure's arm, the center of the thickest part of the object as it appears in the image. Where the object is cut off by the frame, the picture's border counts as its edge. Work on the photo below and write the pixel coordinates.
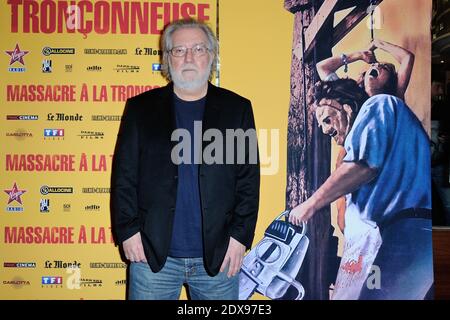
(326, 68)
(404, 57)
(345, 179)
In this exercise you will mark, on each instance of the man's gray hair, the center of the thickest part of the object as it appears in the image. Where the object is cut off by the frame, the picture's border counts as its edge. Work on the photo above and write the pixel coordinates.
(166, 42)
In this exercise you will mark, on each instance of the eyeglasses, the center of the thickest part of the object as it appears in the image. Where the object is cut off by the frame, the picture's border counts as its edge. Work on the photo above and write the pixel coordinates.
(197, 50)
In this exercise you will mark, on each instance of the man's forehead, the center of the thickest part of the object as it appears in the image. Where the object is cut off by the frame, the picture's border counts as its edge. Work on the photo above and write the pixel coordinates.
(189, 35)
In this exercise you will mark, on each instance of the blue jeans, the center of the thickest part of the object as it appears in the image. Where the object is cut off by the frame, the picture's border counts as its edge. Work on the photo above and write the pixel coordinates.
(167, 283)
(405, 260)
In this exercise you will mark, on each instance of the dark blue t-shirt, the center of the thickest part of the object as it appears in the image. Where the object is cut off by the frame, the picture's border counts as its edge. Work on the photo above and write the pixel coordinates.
(187, 228)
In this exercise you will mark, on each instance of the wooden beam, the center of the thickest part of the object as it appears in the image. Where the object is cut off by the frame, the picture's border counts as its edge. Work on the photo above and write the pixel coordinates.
(326, 12)
(350, 21)
(321, 17)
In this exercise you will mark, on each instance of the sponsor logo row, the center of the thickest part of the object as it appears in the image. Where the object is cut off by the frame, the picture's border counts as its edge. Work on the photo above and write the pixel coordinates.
(72, 279)
(15, 202)
(61, 264)
(64, 117)
(17, 59)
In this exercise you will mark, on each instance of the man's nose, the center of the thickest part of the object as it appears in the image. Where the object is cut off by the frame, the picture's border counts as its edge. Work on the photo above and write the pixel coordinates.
(189, 56)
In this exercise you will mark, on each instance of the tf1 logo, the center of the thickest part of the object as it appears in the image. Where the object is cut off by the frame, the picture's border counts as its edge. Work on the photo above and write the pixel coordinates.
(52, 280)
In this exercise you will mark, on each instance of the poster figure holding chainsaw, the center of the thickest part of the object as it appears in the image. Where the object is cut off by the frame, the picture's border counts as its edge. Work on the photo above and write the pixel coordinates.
(385, 176)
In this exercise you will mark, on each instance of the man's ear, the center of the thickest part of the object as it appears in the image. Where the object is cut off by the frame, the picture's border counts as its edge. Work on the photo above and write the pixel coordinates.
(349, 111)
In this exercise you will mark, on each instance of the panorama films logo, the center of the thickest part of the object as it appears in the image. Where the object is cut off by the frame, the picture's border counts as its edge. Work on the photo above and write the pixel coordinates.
(91, 135)
(64, 117)
(46, 51)
(124, 68)
(22, 117)
(44, 205)
(16, 282)
(54, 134)
(105, 51)
(67, 207)
(147, 52)
(16, 57)
(15, 196)
(45, 190)
(68, 67)
(91, 283)
(20, 134)
(105, 117)
(19, 264)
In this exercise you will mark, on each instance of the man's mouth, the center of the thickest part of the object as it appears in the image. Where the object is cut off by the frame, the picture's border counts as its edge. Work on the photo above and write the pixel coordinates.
(373, 73)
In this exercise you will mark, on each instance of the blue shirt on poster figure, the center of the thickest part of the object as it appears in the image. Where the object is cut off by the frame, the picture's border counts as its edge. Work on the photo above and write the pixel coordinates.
(387, 135)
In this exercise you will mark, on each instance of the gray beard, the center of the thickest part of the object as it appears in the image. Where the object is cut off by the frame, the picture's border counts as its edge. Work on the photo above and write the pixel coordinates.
(189, 85)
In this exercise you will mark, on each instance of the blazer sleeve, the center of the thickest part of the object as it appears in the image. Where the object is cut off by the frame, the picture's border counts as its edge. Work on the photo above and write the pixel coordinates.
(124, 178)
(245, 212)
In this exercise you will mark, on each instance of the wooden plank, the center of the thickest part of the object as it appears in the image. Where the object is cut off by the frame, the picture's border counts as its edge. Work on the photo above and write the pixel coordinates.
(325, 13)
(350, 21)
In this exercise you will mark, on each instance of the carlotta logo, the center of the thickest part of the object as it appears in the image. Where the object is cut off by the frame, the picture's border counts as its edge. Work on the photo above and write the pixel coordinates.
(15, 195)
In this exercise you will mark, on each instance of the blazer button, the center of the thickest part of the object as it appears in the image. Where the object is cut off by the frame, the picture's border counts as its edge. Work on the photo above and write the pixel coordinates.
(175, 177)
(172, 209)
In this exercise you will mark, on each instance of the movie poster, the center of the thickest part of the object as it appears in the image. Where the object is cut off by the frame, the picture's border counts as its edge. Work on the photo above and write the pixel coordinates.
(357, 223)
(67, 69)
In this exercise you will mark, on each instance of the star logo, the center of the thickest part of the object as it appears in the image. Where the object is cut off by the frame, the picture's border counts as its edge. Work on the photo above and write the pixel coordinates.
(16, 55)
(14, 194)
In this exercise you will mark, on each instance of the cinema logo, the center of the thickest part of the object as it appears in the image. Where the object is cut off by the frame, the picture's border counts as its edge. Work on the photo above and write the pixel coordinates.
(45, 190)
(124, 68)
(16, 282)
(104, 117)
(91, 135)
(52, 282)
(19, 134)
(64, 117)
(46, 51)
(147, 52)
(108, 265)
(22, 117)
(19, 264)
(53, 134)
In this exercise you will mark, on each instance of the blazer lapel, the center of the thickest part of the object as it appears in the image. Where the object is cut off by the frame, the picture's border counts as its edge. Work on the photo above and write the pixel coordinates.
(212, 109)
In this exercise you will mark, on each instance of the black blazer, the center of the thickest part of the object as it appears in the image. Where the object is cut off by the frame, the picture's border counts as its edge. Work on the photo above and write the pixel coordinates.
(144, 178)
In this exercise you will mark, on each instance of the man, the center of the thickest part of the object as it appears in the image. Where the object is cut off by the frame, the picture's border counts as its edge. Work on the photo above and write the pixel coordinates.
(190, 221)
(386, 177)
